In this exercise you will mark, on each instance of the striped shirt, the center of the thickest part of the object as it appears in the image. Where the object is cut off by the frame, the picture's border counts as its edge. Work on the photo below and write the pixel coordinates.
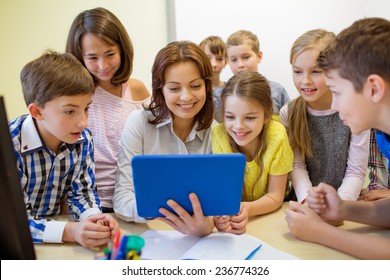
(47, 177)
(107, 116)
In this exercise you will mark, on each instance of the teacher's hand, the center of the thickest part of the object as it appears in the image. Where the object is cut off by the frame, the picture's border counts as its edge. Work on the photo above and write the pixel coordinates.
(181, 220)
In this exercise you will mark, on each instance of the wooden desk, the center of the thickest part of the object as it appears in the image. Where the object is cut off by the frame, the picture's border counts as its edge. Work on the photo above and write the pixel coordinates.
(271, 228)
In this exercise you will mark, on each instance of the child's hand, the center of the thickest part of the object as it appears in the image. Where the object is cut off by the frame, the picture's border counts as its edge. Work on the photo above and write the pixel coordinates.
(239, 221)
(108, 220)
(89, 232)
(375, 195)
(315, 200)
(181, 220)
(303, 222)
(325, 201)
(222, 223)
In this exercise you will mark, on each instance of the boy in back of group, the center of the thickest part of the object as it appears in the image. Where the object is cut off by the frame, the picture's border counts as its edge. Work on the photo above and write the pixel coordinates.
(244, 55)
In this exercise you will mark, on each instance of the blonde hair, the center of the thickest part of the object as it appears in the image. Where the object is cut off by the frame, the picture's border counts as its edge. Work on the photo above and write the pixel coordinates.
(298, 130)
(244, 37)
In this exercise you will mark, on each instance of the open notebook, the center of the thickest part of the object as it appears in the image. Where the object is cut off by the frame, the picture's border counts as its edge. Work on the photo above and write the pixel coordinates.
(172, 245)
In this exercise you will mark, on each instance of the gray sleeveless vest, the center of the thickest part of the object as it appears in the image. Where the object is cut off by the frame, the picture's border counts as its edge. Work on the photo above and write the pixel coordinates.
(330, 145)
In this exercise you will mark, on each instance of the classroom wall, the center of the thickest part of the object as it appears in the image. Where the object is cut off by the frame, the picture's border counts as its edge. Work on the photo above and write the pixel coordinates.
(277, 23)
(28, 28)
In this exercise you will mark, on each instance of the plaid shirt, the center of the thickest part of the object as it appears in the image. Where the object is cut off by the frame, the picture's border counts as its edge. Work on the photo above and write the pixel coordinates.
(378, 165)
(47, 177)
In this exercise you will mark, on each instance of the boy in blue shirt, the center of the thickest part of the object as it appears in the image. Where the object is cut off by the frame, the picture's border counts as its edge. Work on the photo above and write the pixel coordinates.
(357, 69)
(54, 152)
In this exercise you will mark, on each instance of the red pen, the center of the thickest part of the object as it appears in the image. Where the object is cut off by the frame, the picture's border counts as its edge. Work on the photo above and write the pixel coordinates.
(115, 247)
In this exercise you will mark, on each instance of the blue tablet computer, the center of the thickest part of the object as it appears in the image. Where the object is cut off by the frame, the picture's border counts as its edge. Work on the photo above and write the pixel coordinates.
(217, 180)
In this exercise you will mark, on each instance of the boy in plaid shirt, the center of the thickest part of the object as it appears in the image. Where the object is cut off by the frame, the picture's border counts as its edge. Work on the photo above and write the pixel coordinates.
(54, 152)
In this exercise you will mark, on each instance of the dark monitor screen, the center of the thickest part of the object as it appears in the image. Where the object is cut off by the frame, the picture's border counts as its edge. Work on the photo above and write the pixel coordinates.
(15, 235)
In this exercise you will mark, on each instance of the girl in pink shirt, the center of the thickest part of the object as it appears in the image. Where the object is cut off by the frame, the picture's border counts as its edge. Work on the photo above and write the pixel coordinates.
(99, 40)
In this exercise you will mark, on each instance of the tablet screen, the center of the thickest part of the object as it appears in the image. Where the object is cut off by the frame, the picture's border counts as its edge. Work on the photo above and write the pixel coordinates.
(217, 180)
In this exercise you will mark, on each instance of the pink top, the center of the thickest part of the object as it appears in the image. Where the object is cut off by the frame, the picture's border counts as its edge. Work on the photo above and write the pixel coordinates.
(107, 116)
(357, 163)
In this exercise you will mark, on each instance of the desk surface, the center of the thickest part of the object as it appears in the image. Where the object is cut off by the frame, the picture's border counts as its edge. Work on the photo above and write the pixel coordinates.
(271, 228)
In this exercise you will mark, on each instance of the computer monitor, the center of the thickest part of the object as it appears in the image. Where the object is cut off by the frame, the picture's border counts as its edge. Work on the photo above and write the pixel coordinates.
(15, 236)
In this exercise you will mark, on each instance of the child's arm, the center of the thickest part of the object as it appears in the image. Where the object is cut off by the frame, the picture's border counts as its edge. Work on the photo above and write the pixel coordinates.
(308, 226)
(356, 166)
(94, 231)
(50, 231)
(299, 175)
(265, 204)
(375, 195)
(371, 213)
(325, 201)
(271, 200)
(42, 230)
(45, 230)
(83, 197)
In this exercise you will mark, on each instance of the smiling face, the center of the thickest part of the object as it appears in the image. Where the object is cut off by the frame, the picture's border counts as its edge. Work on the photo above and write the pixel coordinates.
(244, 121)
(101, 59)
(309, 80)
(242, 58)
(184, 91)
(62, 119)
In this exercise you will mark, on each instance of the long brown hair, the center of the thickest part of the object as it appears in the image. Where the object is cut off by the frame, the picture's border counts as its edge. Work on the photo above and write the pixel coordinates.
(105, 25)
(174, 53)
